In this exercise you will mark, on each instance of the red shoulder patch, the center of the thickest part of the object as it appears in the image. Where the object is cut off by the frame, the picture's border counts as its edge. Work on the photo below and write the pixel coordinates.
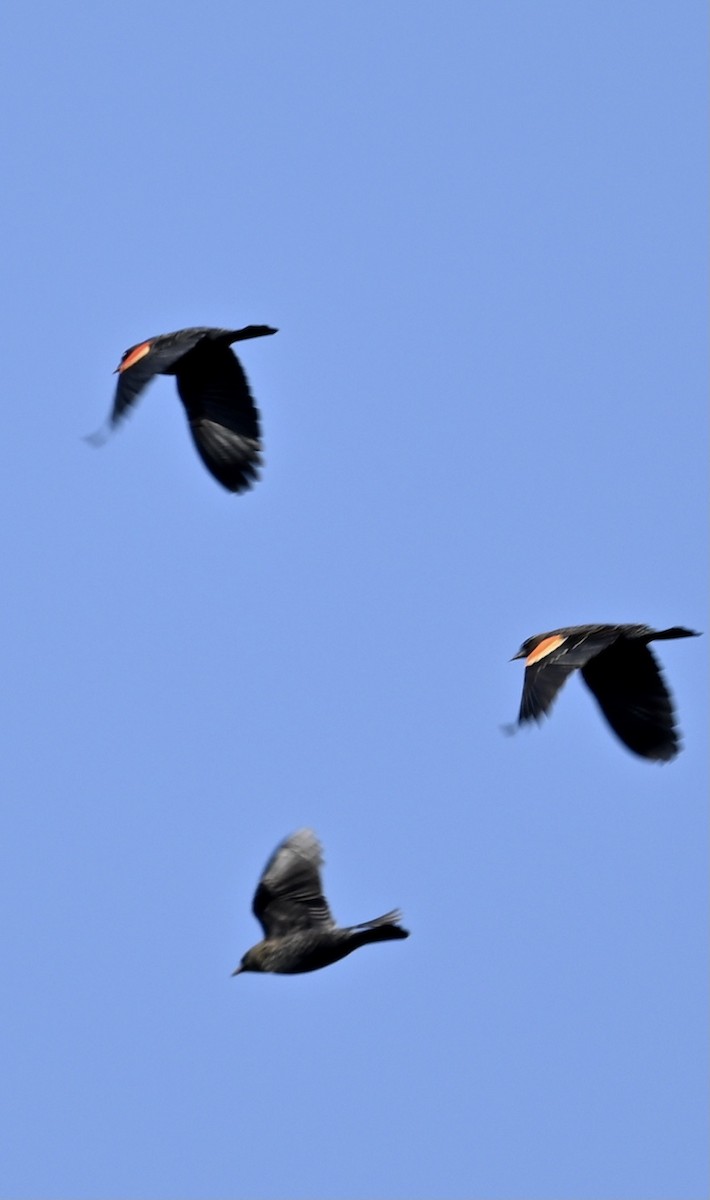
(131, 357)
(546, 646)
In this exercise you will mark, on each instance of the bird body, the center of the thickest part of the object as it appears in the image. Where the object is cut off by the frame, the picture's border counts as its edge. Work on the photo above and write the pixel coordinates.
(211, 383)
(621, 672)
(300, 933)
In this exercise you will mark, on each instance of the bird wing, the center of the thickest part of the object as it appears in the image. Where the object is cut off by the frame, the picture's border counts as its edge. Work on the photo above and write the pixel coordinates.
(548, 669)
(223, 418)
(160, 355)
(627, 683)
(290, 895)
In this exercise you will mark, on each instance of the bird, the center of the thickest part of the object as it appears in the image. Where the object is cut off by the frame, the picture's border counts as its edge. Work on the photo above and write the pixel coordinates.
(300, 933)
(223, 419)
(622, 674)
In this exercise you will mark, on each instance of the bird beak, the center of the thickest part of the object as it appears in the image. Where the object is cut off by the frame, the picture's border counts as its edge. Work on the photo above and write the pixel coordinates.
(520, 654)
(239, 970)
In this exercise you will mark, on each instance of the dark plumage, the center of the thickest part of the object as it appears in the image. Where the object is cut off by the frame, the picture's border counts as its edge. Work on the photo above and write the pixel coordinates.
(621, 672)
(299, 931)
(223, 418)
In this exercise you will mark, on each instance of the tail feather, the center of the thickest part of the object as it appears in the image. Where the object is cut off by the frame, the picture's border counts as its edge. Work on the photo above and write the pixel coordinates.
(250, 331)
(677, 631)
(381, 929)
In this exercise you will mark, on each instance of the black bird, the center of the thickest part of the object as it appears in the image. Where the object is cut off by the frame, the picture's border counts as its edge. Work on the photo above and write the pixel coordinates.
(299, 931)
(621, 672)
(223, 418)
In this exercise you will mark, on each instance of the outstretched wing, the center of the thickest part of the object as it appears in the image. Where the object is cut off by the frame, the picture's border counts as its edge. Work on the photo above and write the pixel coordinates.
(223, 418)
(154, 357)
(628, 686)
(551, 662)
(289, 895)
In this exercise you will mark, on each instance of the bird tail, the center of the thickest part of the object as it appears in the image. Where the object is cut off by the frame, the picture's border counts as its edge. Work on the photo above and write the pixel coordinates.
(381, 929)
(250, 331)
(678, 631)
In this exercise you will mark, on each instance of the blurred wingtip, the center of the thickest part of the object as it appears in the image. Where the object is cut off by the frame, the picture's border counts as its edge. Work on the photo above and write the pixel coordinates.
(99, 438)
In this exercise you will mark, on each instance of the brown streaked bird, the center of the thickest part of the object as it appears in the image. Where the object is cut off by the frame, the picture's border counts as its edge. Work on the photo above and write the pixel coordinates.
(621, 672)
(223, 418)
(300, 933)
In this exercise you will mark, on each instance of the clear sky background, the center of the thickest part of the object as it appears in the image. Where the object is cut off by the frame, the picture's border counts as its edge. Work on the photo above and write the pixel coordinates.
(479, 228)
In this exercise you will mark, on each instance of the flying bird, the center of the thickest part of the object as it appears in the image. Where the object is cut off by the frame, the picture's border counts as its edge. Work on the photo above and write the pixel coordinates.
(300, 933)
(211, 383)
(619, 669)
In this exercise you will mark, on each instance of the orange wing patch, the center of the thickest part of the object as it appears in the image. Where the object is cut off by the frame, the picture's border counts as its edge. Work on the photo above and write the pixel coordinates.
(131, 357)
(547, 645)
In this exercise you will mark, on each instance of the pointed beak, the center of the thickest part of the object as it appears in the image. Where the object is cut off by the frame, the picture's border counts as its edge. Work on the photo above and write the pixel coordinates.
(520, 654)
(238, 971)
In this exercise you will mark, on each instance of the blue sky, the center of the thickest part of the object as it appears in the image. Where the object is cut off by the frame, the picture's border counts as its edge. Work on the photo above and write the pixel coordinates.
(479, 228)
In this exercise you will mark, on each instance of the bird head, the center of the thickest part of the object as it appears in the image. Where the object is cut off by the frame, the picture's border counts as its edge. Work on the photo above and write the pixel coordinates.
(530, 644)
(251, 961)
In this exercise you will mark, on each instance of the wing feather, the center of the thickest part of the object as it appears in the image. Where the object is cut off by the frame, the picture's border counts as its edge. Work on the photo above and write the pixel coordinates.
(545, 677)
(290, 894)
(627, 683)
(223, 419)
(165, 352)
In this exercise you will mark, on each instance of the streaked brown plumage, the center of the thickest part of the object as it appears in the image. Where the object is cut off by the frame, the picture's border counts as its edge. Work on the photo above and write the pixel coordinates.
(211, 383)
(299, 931)
(621, 672)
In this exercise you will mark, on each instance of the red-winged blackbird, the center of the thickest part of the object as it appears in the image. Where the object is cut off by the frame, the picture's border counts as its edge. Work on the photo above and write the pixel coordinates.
(621, 672)
(299, 931)
(223, 418)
